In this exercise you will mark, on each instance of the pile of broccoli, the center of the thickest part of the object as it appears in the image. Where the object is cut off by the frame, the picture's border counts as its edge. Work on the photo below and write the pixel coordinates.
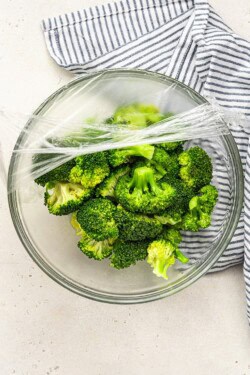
(130, 204)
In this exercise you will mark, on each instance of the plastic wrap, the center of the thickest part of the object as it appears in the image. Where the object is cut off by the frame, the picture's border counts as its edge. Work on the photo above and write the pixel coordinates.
(61, 131)
(62, 140)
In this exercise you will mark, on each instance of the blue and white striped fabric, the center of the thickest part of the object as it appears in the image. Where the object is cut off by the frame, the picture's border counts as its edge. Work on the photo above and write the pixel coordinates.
(184, 39)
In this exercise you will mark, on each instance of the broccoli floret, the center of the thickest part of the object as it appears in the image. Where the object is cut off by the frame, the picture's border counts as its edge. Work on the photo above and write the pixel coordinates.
(124, 155)
(196, 167)
(141, 193)
(90, 170)
(182, 196)
(171, 216)
(200, 209)
(164, 163)
(161, 256)
(164, 250)
(93, 249)
(172, 146)
(97, 250)
(208, 198)
(146, 163)
(189, 222)
(60, 173)
(107, 188)
(177, 151)
(96, 218)
(137, 115)
(175, 238)
(136, 227)
(62, 198)
(126, 254)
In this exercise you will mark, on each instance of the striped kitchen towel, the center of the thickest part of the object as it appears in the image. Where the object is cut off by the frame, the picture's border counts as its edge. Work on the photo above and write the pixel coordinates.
(184, 39)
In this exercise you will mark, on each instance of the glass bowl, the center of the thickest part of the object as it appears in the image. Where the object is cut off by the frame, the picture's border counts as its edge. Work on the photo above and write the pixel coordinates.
(51, 241)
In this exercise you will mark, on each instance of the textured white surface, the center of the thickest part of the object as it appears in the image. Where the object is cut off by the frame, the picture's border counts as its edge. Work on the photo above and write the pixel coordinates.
(44, 329)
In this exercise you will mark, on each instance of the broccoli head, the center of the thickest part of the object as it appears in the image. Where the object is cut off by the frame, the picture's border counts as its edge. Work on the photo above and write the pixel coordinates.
(97, 250)
(161, 256)
(62, 198)
(183, 194)
(164, 163)
(141, 193)
(163, 251)
(126, 254)
(200, 209)
(136, 227)
(60, 173)
(137, 115)
(107, 188)
(172, 146)
(171, 216)
(90, 170)
(96, 218)
(93, 249)
(189, 222)
(145, 163)
(196, 167)
(208, 197)
(174, 236)
(125, 155)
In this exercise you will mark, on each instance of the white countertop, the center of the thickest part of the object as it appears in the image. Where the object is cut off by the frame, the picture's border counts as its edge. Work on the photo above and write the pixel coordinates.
(45, 329)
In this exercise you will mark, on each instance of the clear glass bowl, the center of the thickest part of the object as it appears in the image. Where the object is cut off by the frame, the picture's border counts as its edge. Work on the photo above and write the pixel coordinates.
(51, 241)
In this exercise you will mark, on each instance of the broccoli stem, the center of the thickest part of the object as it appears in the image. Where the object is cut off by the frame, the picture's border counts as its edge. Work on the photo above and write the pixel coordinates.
(180, 256)
(143, 180)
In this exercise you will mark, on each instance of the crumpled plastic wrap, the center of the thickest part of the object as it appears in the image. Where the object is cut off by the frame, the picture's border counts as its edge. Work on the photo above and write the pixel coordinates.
(83, 128)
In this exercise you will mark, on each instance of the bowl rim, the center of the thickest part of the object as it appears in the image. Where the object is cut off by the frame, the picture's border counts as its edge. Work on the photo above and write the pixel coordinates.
(130, 298)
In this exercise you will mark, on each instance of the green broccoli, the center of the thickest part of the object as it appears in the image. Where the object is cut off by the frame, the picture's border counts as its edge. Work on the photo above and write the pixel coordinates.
(90, 170)
(177, 151)
(60, 173)
(200, 209)
(96, 218)
(161, 256)
(172, 235)
(125, 155)
(171, 216)
(196, 167)
(164, 163)
(126, 254)
(145, 163)
(183, 194)
(62, 198)
(172, 146)
(136, 227)
(97, 250)
(175, 238)
(107, 188)
(163, 251)
(130, 204)
(208, 197)
(141, 193)
(137, 115)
